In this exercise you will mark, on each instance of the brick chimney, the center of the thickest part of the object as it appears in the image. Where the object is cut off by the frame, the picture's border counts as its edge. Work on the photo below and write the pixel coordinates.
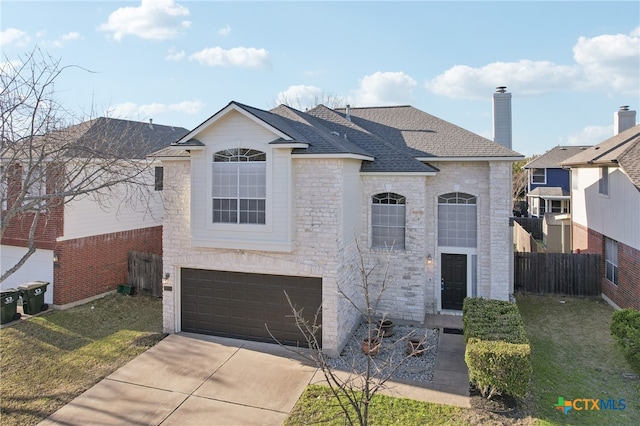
(623, 119)
(502, 128)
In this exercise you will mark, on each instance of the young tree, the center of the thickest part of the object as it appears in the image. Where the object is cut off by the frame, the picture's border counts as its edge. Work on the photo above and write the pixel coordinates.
(48, 160)
(355, 388)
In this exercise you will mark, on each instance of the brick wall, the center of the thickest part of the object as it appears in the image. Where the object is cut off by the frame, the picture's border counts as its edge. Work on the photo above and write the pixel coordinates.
(94, 265)
(627, 293)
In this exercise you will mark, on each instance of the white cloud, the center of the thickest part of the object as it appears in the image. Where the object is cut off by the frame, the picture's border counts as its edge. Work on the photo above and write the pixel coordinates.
(174, 55)
(243, 57)
(225, 31)
(590, 135)
(134, 111)
(299, 95)
(610, 61)
(524, 77)
(14, 36)
(62, 40)
(606, 62)
(152, 20)
(385, 88)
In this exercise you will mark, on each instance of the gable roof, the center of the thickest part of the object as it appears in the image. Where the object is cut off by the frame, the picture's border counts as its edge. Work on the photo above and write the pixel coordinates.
(388, 139)
(553, 158)
(108, 137)
(621, 150)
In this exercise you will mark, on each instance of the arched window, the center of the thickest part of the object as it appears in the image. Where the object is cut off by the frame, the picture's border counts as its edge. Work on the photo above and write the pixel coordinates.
(457, 220)
(388, 220)
(239, 186)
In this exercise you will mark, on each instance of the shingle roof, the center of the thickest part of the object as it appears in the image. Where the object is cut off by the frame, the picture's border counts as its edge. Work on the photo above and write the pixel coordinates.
(622, 149)
(555, 156)
(393, 137)
(433, 136)
(548, 192)
(130, 139)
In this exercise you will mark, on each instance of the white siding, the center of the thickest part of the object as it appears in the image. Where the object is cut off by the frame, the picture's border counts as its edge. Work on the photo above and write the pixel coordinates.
(615, 215)
(236, 131)
(39, 267)
(124, 210)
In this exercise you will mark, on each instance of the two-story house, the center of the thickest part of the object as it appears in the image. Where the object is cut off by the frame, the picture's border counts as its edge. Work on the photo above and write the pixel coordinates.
(262, 202)
(81, 242)
(605, 206)
(548, 183)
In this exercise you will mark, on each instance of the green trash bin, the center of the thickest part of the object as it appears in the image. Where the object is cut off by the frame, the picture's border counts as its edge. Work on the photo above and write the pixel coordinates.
(33, 297)
(9, 305)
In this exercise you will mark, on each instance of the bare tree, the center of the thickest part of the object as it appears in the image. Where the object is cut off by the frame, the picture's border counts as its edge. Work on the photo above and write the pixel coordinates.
(355, 387)
(49, 157)
(330, 100)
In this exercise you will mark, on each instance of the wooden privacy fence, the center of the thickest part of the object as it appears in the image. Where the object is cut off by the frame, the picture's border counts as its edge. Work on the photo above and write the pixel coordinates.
(145, 272)
(558, 273)
(532, 225)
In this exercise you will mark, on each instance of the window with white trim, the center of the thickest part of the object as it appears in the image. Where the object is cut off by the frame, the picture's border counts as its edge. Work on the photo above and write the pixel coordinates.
(611, 259)
(34, 183)
(603, 182)
(4, 188)
(539, 176)
(457, 220)
(388, 212)
(239, 186)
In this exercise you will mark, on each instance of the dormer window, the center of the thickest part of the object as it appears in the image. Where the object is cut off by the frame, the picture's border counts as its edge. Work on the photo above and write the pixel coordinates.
(239, 186)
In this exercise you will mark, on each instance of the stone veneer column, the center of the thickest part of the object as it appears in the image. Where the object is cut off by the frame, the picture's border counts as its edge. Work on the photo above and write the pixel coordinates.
(499, 245)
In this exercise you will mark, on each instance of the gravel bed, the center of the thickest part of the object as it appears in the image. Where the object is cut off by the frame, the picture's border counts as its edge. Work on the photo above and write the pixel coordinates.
(392, 351)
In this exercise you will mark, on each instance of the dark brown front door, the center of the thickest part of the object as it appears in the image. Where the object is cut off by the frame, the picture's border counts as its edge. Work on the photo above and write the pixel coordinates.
(239, 305)
(454, 280)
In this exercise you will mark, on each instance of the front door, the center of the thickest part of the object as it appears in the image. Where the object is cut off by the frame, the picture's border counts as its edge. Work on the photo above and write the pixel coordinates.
(454, 281)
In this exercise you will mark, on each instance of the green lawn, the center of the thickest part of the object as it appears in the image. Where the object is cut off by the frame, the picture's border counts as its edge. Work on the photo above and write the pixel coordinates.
(48, 360)
(575, 357)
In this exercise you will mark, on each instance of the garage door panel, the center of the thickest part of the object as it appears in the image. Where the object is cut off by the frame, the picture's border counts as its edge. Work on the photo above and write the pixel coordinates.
(238, 305)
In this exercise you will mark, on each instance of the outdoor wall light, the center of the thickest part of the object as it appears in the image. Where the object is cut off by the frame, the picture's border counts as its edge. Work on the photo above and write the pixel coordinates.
(166, 276)
(56, 259)
(429, 260)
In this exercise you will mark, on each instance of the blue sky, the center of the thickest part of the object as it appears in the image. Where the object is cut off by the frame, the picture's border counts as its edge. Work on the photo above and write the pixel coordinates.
(569, 65)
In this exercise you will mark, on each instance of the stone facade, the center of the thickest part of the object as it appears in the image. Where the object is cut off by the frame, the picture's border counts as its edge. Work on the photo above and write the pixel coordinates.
(330, 237)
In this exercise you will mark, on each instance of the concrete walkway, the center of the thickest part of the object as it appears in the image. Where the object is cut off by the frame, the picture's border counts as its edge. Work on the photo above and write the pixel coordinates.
(189, 379)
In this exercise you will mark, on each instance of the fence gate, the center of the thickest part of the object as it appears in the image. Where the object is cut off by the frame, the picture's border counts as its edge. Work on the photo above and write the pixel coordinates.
(145, 272)
(569, 274)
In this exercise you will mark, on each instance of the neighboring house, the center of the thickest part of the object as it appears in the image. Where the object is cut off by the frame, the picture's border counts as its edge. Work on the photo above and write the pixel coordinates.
(605, 204)
(548, 183)
(257, 202)
(82, 245)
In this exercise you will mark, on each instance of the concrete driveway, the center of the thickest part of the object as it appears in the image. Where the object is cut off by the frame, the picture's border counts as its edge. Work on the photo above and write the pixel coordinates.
(192, 380)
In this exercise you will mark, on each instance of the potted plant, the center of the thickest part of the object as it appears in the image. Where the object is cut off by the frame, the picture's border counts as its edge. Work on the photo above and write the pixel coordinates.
(385, 328)
(371, 346)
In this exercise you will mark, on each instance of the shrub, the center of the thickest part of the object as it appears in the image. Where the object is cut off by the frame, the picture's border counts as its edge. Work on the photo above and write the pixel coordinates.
(496, 366)
(489, 319)
(625, 328)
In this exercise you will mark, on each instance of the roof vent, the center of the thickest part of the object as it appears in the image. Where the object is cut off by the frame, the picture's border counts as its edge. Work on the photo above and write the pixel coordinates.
(501, 89)
(151, 123)
(334, 133)
(348, 112)
(624, 108)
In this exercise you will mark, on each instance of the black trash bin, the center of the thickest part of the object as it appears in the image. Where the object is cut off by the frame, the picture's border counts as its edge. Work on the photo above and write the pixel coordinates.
(9, 305)
(33, 297)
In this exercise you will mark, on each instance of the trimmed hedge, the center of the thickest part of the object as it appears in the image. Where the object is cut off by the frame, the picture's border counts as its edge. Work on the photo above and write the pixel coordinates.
(625, 328)
(496, 366)
(497, 354)
(489, 319)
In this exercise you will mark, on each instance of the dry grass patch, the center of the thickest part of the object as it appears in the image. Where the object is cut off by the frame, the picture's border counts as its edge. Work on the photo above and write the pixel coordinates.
(48, 360)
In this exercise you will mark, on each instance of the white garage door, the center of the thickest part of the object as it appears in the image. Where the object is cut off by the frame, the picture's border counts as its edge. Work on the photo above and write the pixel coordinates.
(39, 267)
